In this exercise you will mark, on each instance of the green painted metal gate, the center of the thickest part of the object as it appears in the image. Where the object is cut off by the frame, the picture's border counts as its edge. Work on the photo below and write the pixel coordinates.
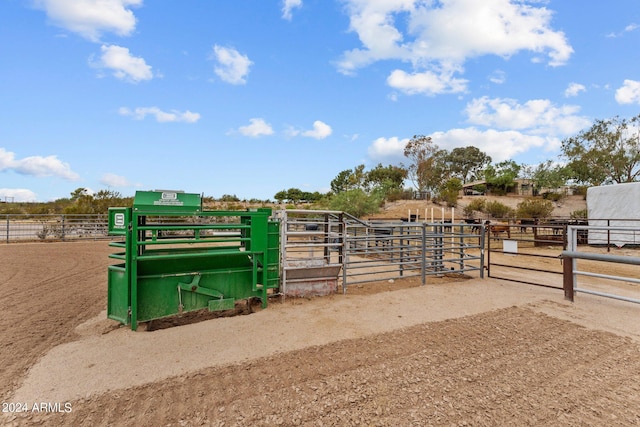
(177, 257)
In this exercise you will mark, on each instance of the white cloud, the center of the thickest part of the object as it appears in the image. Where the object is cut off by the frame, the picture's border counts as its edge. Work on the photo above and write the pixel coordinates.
(498, 77)
(161, 116)
(17, 195)
(537, 116)
(320, 130)
(257, 127)
(574, 89)
(232, 67)
(123, 65)
(629, 28)
(629, 93)
(500, 145)
(37, 166)
(390, 150)
(440, 36)
(288, 6)
(91, 18)
(504, 128)
(113, 180)
(427, 83)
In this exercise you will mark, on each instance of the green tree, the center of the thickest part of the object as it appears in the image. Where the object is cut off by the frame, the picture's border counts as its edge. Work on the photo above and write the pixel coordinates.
(607, 152)
(78, 193)
(295, 195)
(390, 175)
(81, 202)
(105, 199)
(427, 168)
(385, 181)
(356, 202)
(547, 175)
(501, 177)
(312, 196)
(467, 163)
(449, 191)
(280, 196)
(348, 179)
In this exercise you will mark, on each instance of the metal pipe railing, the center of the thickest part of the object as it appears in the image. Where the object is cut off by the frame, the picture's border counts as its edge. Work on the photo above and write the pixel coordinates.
(570, 270)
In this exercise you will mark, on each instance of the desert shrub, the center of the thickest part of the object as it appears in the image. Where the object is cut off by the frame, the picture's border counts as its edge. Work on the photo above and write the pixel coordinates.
(579, 214)
(498, 191)
(498, 210)
(476, 205)
(554, 197)
(534, 208)
(395, 195)
(234, 206)
(229, 198)
(580, 191)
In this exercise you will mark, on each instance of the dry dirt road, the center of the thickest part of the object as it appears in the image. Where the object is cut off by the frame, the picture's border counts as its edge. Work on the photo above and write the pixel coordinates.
(469, 352)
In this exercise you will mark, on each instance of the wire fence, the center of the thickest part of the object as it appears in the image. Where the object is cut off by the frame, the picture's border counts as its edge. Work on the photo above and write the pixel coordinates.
(44, 227)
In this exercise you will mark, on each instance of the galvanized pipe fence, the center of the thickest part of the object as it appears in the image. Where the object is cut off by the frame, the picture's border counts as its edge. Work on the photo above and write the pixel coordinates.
(332, 242)
(385, 251)
(327, 241)
(40, 227)
(598, 234)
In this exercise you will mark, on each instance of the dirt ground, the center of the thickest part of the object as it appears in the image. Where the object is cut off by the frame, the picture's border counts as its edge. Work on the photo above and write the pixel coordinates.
(464, 351)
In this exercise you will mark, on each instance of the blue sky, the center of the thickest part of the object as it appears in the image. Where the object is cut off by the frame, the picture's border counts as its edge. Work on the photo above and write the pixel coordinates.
(249, 97)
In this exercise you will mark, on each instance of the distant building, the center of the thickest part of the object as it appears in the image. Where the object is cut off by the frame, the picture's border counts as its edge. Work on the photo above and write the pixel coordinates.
(522, 187)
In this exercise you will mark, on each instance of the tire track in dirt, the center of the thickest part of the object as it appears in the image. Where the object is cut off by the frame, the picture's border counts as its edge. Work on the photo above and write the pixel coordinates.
(506, 367)
(52, 288)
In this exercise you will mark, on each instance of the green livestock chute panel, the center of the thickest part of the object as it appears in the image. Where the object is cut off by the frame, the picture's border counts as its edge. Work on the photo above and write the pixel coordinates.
(177, 257)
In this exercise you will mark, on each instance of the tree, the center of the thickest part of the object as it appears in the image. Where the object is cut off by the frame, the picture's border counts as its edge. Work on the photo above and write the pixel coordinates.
(104, 199)
(82, 202)
(467, 163)
(348, 180)
(356, 202)
(449, 191)
(547, 175)
(79, 192)
(385, 179)
(294, 195)
(607, 152)
(280, 196)
(428, 168)
(501, 177)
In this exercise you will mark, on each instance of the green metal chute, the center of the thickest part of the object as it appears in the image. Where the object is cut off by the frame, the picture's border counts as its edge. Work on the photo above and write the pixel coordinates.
(178, 257)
